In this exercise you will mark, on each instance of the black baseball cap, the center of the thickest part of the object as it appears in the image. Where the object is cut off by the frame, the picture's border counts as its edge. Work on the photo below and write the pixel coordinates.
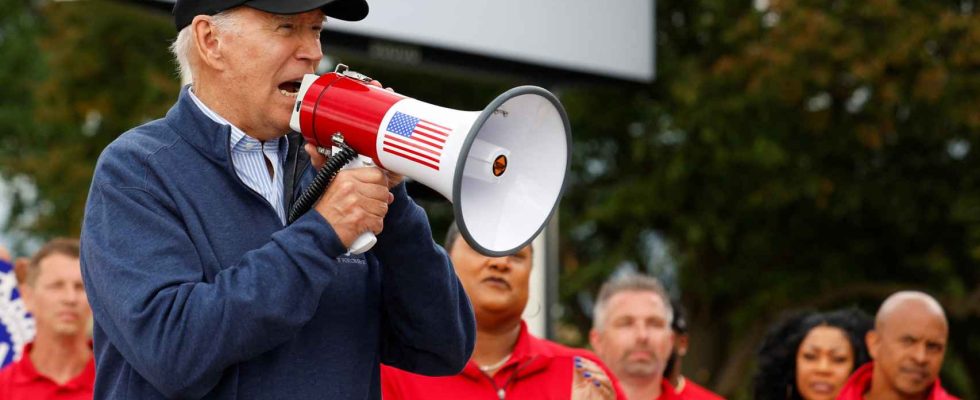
(347, 10)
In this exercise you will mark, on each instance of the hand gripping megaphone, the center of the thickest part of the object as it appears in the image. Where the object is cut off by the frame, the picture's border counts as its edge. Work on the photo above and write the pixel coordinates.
(503, 168)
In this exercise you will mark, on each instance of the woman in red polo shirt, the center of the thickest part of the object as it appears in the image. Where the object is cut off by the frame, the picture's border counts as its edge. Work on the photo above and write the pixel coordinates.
(507, 362)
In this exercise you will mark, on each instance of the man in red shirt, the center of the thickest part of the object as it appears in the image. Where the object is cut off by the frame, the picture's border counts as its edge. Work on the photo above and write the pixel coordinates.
(508, 362)
(683, 387)
(58, 364)
(907, 347)
(631, 334)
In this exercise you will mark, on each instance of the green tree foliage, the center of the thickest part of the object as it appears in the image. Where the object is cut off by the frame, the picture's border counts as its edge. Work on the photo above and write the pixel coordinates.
(83, 73)
(20, 70)
(801, 154)
(20, 64)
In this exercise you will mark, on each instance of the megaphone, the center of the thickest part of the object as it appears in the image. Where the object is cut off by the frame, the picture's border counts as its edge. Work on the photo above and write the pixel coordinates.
(503, 168)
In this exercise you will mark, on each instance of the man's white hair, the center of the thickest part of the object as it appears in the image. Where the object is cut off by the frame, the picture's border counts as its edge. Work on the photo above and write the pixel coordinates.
(183, 47)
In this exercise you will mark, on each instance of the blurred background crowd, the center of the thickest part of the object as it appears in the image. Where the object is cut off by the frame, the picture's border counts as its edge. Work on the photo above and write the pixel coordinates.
(788, 156)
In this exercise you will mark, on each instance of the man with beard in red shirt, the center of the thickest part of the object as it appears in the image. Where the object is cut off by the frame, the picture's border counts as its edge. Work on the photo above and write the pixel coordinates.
(907, 347)
(631, 334)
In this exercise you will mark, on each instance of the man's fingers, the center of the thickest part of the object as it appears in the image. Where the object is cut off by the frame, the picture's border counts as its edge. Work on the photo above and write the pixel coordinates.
(372, 175)
(377, 208)
(378, 84)
(393, 178)
(356, 202)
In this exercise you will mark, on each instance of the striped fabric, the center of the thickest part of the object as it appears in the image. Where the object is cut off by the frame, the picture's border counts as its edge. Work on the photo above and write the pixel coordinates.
(248, 156)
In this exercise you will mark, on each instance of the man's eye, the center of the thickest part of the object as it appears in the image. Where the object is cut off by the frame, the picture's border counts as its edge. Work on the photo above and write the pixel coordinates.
(623, 322)
(286, 26)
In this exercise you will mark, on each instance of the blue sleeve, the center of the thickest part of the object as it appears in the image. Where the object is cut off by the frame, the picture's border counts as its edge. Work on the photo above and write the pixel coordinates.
(148, 293)
(430, 323)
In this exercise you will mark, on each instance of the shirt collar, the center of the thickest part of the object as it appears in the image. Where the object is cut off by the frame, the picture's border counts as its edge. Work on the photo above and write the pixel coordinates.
(860, 383)
(239, 141)
(26, 372)
(521, 357)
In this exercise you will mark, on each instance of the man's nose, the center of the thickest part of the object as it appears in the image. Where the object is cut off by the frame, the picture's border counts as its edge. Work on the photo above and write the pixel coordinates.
(920, 353)
(642, 333)
(310, 50)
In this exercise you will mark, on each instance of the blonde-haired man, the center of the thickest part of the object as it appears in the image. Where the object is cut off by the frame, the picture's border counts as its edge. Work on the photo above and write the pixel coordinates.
(58, 364)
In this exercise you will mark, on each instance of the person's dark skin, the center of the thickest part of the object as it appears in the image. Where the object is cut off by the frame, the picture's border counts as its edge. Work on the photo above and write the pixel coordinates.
(908, 345)
(498, 289)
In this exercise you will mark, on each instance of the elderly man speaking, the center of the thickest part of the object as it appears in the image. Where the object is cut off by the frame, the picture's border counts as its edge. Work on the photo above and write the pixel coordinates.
(198, 287)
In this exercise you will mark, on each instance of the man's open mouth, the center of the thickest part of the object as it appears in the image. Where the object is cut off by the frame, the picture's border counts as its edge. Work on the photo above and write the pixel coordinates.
(289, 88)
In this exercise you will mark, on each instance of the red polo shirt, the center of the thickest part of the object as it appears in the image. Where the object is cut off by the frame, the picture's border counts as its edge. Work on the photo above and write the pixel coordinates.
(688, 390)
(538, 369)
(860, 383)
(20, 380)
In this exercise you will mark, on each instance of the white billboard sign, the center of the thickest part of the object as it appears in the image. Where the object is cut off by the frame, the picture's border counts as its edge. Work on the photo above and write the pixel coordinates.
(613, 38)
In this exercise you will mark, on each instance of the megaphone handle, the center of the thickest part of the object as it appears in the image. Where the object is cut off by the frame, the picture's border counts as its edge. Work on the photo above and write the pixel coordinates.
(363, 243)
(367, 240)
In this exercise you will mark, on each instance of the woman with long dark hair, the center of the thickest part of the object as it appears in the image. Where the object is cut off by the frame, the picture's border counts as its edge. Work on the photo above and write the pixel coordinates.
(809, 356)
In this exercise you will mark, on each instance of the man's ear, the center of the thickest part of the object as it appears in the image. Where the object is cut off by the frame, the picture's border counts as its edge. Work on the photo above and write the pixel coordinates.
(206, 41)
(872, 340)
(594, 339)
(26, 291)
(21, 265)
(27, 295)
(680, 343)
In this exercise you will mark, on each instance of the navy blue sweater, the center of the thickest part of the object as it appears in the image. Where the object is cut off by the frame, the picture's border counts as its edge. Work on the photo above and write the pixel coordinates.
(198, 290)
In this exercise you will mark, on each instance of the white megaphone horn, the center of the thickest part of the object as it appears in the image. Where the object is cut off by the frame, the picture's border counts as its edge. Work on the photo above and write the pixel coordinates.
(503, 168)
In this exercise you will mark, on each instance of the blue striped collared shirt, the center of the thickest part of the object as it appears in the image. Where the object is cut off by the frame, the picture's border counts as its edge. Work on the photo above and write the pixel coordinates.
(248, 156)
